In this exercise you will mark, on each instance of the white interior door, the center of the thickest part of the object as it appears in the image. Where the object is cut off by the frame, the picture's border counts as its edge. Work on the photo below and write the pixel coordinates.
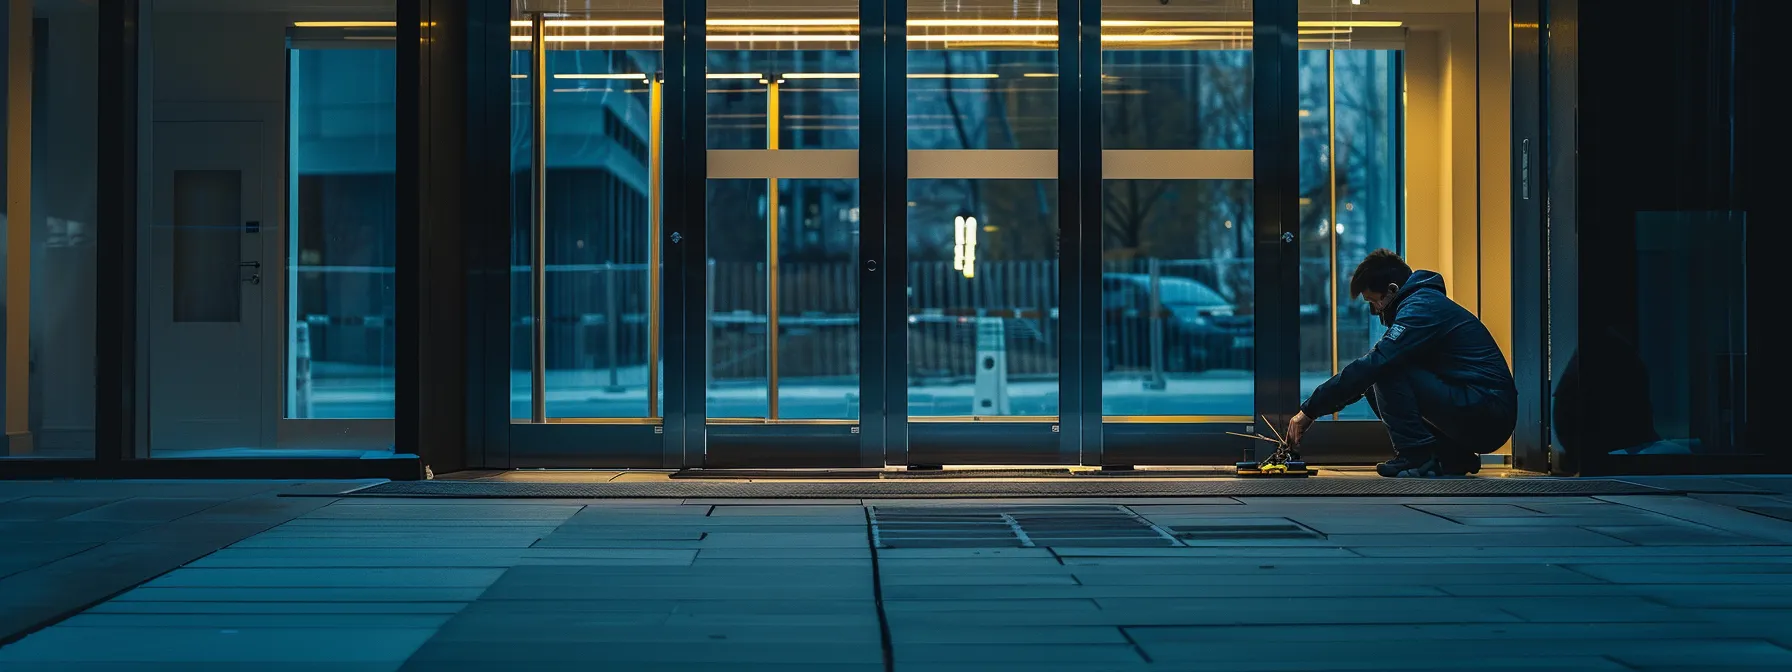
(207, 287)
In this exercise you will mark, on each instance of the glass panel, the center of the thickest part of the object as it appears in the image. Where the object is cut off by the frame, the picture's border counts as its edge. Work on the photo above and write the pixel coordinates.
(983, 75)
(983, 298)
(342, 166)
(48, 395)
(522, 227)
(817, 358)
(1177, 298)
(1351, 200)
(983, 330)
(1178, 294)
(782, 79)
(598, 203)
(275, 200)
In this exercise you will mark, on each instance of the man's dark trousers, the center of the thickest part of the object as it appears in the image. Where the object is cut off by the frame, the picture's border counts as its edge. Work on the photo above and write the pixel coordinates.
(1427, 416)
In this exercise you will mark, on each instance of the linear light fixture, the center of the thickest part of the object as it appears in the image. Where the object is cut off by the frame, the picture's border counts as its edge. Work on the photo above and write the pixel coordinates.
(1040, 74)
(783, 38)
(982, 23)
(596, 23)
(821, 75)
(735, 75)
(779, 22)
(345, 24)
(591, 38)
(603, 75)
(991, 23)
(955, 75)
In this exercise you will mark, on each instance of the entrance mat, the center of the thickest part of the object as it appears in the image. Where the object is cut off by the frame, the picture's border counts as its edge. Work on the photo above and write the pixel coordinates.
(1064, 487)
(867, 474)
(942, 474)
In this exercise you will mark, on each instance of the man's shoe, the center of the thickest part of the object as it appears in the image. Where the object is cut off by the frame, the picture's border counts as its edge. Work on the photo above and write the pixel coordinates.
(1462, 464)
(1401, 463)
(1429, 469)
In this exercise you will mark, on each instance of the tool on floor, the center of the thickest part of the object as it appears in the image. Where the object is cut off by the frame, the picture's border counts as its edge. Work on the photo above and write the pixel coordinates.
(1285, 461)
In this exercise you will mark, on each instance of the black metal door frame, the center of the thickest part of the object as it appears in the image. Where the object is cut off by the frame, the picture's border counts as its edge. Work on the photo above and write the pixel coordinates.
(884, 434)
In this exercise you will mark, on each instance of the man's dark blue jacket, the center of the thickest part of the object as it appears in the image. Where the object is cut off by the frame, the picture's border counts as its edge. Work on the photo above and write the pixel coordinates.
(1429, 332)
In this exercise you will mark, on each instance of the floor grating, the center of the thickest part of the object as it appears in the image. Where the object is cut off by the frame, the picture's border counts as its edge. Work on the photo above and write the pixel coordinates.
(1014, 527)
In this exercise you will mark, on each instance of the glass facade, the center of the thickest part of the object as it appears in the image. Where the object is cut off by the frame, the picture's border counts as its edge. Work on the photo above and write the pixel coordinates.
(48, 269)
(829, 234)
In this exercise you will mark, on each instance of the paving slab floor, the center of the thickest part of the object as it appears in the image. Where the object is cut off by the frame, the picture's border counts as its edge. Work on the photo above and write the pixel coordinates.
(231, 575)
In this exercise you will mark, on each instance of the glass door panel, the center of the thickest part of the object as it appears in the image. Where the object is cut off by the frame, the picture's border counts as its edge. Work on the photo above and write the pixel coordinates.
(1350, 199)
(983, 221)
(586, 151)
(782, 110)
(1178, 276)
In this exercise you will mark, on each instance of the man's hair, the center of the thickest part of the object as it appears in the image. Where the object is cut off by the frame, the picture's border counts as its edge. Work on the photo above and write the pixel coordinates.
(1380, 269)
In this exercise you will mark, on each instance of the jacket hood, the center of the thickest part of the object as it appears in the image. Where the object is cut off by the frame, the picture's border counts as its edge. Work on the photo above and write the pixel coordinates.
(1422, 280)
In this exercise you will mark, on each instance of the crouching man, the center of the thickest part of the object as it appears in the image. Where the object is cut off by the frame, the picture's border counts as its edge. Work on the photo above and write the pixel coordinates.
(1437, 379)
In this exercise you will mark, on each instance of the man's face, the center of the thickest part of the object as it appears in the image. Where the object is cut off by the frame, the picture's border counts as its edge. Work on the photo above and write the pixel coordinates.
(1382, 303)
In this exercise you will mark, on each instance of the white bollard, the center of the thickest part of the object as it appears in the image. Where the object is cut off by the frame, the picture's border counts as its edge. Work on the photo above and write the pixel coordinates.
(992, 368)
(301, 369)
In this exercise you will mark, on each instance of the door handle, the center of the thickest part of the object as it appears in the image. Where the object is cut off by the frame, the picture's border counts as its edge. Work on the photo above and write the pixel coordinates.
(254, 278)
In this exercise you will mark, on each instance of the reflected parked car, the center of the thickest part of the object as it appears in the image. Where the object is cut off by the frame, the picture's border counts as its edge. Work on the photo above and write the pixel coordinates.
(1201, 329)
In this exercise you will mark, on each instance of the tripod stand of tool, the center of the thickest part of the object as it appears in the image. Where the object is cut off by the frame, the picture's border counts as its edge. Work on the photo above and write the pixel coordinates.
(1284, 462)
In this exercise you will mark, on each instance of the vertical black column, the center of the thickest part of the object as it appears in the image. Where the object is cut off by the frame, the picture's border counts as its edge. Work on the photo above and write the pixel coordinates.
(115, 362)
(1275, 157)
(893, 174)
(488, 211)
(1530, 258)
(876, 189)
(685, 240)
(433, 209)
(1079, 227)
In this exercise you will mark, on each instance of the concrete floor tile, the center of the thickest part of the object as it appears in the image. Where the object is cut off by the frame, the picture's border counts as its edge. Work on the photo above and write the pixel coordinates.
(328, 578)
(713, 653)
(93, 619)
(1674, 535)
(69, 531)
(245, 645)
(303, 594)
(1017, 653)
(911, 606)
(911, 636)
(276, 608)
(49, 507)
(17, 556)
(260, 666)
(148, 509)
(1569, 537)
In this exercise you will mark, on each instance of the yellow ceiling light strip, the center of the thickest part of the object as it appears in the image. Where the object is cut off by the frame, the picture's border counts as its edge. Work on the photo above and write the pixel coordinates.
(821, 75)
(735, 75)
(602, 75)
(733, 23)
(984, 23)
(979, 75)
(345, 24)
(963, 23)
(782, 38)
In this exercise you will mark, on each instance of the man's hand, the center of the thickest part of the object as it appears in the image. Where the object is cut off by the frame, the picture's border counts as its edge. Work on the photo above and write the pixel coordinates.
(1297, 426)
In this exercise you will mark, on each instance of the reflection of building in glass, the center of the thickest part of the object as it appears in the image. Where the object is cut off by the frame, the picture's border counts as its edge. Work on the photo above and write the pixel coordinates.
(343, 145)
(597, 209)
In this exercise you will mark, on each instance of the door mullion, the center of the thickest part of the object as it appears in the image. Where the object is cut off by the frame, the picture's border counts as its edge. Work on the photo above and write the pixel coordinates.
(1275, 155)
(892, 141)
